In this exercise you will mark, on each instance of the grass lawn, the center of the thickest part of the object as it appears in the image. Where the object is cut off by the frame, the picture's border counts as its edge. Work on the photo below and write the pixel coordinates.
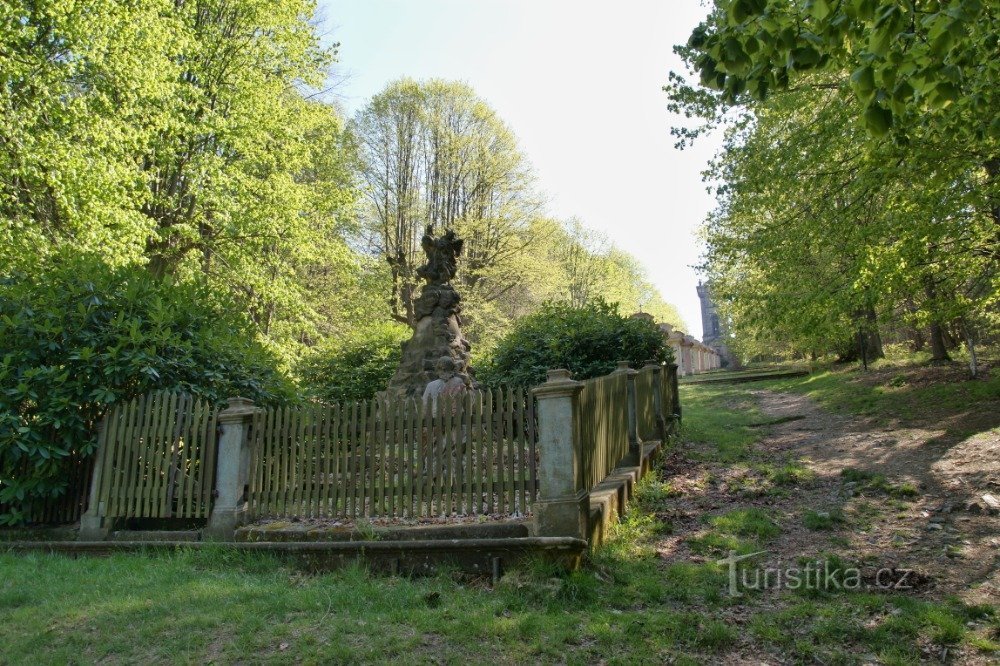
(629, 605)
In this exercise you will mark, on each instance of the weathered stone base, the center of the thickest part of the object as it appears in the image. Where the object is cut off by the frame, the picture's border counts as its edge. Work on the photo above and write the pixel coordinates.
(285, 531)
(610, 498)
(475, 556)
(564, 518)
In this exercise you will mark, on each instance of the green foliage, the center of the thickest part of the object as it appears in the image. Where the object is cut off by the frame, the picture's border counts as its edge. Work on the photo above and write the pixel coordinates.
(80, 336)
(356, 368)
(934, 59)
(588, 341)
(832, 112)
(185, 135)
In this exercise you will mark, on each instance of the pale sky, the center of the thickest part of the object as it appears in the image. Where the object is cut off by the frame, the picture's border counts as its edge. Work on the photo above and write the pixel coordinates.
(579, 83)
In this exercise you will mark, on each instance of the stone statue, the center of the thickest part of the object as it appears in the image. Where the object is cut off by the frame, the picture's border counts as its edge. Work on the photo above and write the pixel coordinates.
(436, 359)
(442, 257)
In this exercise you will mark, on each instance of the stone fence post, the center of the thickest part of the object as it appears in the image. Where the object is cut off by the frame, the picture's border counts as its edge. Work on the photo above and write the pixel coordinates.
(661, 420)
(634, 456)
(675, 416)
(563, 505)
(92, 524)
(232, 469)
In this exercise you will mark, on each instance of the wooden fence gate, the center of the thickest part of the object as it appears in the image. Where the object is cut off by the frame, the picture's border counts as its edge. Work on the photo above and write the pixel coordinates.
(472, 454)
(157, 458)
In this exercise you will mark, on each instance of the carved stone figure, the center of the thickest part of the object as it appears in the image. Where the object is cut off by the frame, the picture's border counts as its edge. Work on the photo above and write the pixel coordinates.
(436, 359)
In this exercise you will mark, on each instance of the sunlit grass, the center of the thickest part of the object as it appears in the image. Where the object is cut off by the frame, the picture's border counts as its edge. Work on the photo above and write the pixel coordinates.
(635, 601)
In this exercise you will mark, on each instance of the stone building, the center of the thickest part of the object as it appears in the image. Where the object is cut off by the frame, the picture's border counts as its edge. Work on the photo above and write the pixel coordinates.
(690, 355)
(713, 326)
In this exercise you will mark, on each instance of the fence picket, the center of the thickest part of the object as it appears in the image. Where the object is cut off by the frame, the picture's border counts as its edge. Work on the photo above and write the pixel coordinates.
(511, 441)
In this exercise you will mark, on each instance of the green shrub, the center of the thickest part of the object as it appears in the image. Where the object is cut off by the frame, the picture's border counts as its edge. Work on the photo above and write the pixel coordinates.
(355, 368)
(78, 336)
(588, 341)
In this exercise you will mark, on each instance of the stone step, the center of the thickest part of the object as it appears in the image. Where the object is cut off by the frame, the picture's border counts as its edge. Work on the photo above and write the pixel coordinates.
(156, 535)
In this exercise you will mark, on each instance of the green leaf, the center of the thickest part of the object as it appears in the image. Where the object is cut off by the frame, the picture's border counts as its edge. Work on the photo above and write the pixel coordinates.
(878, 120)
(820, 9)
(863, 82)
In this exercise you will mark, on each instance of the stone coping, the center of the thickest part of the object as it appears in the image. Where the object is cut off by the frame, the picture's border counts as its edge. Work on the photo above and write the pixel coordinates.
(424, 556)
(609, 498)
(286, 531)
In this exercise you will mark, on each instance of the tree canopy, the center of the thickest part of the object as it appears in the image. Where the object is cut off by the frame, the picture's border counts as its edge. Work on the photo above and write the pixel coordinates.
(857, 186)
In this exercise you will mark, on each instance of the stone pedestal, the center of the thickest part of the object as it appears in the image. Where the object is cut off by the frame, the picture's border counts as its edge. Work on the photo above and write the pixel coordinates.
(563, 504)
(232, 470)
(437, 352)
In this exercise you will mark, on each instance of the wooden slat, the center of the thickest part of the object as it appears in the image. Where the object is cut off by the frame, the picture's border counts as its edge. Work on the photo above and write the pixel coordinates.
(360, 454)
(490, 457)
(371, 448)
(291, 424)
(399, 470)
(123, 454)
(310, 487)
(293, 491)
(447, 454)
(126, 460)
(396, 471)
(175, 480)
(423, 443)
(328, 459)
(164, 454)
(136, 443)
(189, 459)
(381, 452)
(511, 448)
(151, 479)
(479, 443)
(469, 473)
(501, 446)
(274, 467)
(181, 466)
(350, 501)
(532, 450)
(263, 420)
(412, 446)
(343, 468)
(437, 446)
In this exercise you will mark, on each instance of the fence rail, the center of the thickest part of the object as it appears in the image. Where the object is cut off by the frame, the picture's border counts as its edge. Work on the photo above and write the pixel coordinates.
(469, 454)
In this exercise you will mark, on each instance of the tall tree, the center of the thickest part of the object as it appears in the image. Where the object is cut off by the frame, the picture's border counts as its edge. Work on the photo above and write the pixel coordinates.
(856, 179)
(435, 155)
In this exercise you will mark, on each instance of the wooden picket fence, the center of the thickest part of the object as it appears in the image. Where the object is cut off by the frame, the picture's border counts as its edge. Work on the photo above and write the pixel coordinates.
(469, 454)
(157, 458)
(62, 509)
(646, 409)
(603, 425)
(645, 406)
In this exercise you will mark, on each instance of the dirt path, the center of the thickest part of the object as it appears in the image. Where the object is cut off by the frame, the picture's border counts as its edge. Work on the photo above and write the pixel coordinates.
(904, 504)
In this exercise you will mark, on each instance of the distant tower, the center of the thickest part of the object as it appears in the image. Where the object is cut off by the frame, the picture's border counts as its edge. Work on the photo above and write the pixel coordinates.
(713, 328)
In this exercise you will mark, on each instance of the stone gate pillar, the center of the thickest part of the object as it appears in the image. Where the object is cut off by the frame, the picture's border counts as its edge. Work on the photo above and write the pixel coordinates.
(232, 469)
(563, 505)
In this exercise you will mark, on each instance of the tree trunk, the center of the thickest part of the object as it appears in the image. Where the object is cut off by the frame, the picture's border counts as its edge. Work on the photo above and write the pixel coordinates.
(939, 352)
(970, 342)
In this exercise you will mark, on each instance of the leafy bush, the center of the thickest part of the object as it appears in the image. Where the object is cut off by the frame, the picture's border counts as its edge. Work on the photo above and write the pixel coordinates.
(78, 336)
(355, 368)
(589, 341)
